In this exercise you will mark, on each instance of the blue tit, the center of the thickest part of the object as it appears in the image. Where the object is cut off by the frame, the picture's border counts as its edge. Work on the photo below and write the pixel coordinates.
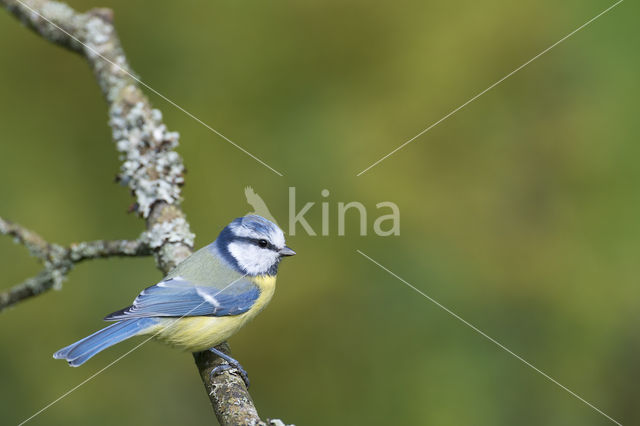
(205, 299)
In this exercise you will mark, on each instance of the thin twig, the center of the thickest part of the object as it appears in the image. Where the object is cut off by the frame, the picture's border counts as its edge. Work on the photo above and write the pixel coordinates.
(37, 245)
(58, 261)
(45, 280)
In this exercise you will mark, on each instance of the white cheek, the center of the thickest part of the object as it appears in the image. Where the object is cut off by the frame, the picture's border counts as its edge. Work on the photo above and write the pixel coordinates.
(253, 259)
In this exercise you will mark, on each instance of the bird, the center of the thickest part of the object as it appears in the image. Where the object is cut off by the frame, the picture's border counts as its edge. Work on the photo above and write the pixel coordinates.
(204, 300)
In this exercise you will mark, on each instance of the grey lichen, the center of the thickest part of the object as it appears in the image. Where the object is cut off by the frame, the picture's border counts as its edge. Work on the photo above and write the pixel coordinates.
(277, 422)
(105, 248)
(151, 168)
(58, 276)
(56, 13)
(174, 231)
(99, 32)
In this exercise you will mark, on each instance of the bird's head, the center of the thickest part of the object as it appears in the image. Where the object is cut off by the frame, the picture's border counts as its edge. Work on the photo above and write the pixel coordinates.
(253, 245)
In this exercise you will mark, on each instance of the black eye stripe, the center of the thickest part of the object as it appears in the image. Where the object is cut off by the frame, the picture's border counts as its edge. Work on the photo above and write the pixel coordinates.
(256, 241)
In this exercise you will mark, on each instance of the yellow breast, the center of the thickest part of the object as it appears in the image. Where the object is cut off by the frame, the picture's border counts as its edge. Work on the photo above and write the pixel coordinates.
(199, 333)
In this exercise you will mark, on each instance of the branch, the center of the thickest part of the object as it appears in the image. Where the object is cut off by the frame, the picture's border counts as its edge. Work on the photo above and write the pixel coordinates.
(103, 248)
(238, 406)
(151, 168)
(37, 246)
(45, 280)
(58, 261)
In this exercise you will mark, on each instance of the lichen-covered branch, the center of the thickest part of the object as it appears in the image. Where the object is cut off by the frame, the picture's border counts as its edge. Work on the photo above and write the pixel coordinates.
(37, 246)
(108, 248)
(45, 280)
(58, 261)
(151, 169)
(239, 408)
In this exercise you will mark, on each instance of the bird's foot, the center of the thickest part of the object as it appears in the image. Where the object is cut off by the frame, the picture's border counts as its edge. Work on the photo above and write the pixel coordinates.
(224, 367)
(232, 364)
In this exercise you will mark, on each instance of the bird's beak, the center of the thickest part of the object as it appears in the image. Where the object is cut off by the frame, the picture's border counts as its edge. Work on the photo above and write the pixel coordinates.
(286, 251)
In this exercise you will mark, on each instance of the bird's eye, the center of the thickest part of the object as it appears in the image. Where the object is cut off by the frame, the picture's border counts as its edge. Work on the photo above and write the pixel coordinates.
(263, 243)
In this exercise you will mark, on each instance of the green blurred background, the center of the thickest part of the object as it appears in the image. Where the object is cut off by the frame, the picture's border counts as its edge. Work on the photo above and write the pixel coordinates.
(520, 213)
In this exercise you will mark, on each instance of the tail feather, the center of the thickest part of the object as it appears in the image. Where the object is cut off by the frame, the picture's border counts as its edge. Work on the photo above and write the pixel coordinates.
(79, 352)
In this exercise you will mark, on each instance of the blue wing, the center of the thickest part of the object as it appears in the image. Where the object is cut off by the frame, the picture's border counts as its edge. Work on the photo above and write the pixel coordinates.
(177, 297)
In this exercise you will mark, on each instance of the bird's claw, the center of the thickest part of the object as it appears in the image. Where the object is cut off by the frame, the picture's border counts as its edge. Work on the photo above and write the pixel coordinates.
(225, 367)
